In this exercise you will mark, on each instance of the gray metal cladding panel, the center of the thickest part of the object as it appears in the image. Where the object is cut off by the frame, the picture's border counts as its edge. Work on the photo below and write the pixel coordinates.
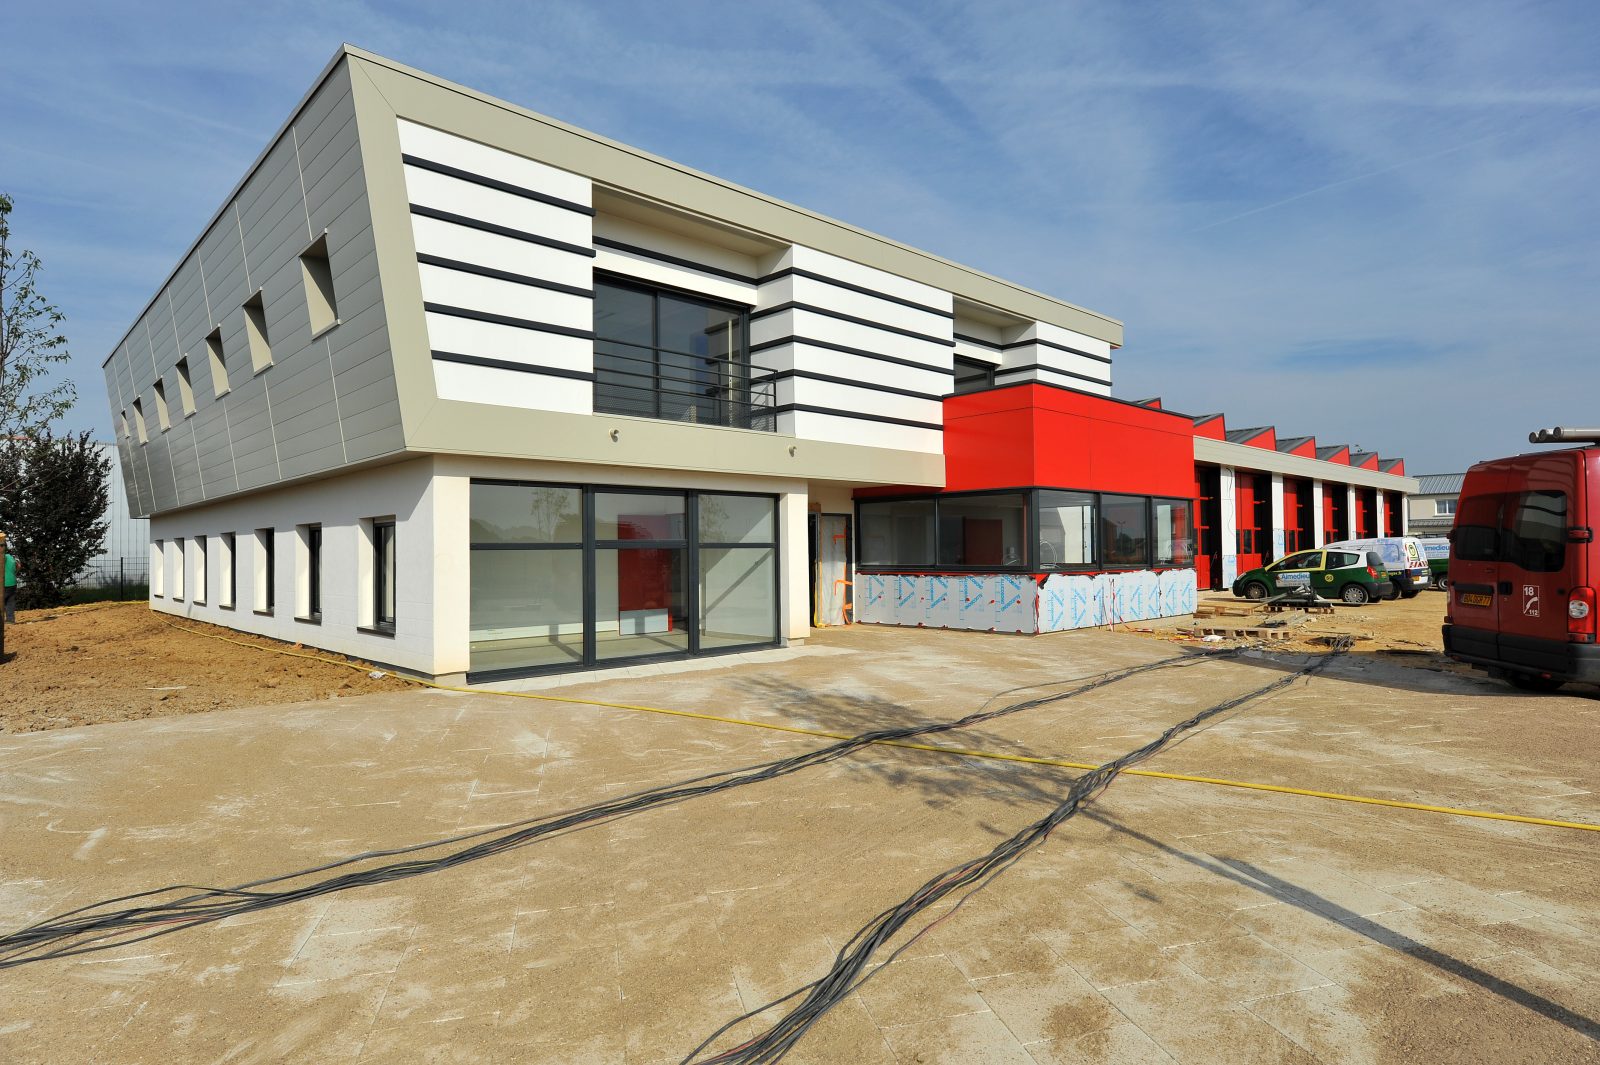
(310, 389)
(260, 477)
(163, 485)
(189, 313)
(186, 463)
(227, 281)
(136, 506)
(323, 450)
(363, 298)
(331, 104)
(366, 409)
(351, 341)
(325, 163)
(277, 247)
(320, 148)
(347, 202)
(385, 441)
(261, 196)
(352, 381)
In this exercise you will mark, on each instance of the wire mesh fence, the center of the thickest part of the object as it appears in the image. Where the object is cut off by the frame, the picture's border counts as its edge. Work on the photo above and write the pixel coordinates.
(112, 578)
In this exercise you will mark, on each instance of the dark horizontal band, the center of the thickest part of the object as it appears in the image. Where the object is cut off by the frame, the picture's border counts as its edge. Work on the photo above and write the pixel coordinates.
(503, 275)
(812, 309)
(795, 271)
(494, 183)
(506, 319)
(1059, 347)
(506, 364)
(846, 350)
(504, 231)
(783, 375)
(1050, 369)
(785, 408)
(981, 343)
(672, 260)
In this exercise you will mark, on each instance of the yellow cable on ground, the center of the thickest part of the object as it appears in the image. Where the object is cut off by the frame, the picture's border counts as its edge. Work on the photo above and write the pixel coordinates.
(959, 752)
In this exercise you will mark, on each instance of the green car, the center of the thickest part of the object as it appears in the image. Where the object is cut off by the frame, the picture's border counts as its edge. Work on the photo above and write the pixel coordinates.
(1344, 575)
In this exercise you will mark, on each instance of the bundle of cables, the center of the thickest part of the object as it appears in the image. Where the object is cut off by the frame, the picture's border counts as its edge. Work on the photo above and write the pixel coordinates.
(100, 926)
(850, 970)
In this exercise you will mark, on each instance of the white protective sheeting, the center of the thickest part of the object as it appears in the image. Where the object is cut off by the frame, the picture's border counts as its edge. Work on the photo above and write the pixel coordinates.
(1010, 603)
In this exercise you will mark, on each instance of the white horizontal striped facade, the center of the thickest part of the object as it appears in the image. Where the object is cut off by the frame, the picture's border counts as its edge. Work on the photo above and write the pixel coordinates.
(846, 353)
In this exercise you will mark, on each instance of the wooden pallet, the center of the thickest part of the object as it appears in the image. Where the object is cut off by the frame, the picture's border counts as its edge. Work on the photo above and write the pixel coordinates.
(1242, 632)
(1310, 608)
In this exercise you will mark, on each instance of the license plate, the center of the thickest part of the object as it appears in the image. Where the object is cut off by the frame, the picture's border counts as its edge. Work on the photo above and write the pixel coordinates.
(1476, 599)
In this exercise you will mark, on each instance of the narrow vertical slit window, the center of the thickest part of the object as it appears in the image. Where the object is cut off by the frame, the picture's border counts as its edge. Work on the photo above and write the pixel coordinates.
(255, 330)
(177, 568)
(317, 274)
(219, 368)
(199, 596)
(308, 568)
(265, 571)
(383, 574)
(124, 422)
(161, 405)
(227, 572)
(158, 568)
(185, 389)
(138, 421)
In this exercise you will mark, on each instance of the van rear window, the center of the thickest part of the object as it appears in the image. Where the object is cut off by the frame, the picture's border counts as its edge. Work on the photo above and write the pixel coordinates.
(1477, 533)
(1525, 529)
(1538, 540)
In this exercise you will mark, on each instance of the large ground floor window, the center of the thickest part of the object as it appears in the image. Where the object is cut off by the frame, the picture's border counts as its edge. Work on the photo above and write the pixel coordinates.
(573, 575)
(1035, 530)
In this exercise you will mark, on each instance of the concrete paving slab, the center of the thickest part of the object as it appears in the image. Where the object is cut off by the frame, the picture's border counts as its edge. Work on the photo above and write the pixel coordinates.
(1168, 922)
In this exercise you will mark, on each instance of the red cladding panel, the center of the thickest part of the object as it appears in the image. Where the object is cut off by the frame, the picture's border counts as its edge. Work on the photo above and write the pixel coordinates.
(1268, 439)
(1035, 434)
(1214, 428)
(1308, 449)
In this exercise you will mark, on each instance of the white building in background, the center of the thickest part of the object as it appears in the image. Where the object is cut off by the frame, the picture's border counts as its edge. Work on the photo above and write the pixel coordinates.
(128, 537)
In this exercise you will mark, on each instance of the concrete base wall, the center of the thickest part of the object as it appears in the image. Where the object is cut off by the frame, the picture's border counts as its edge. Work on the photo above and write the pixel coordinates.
(1021, 603)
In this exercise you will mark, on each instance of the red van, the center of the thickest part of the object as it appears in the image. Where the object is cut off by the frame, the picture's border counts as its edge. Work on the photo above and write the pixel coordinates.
(1524, 563)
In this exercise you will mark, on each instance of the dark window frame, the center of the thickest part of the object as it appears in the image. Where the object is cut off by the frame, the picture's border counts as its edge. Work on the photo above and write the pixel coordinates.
(734, 376)
(384, 582)
(313, 545)
(591, 545)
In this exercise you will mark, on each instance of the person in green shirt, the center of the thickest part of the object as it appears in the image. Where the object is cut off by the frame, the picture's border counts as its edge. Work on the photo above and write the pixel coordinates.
(11, 581)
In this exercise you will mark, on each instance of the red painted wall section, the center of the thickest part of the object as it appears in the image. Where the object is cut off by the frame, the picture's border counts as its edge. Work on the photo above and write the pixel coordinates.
(1214, 428)
(1399, 468)
(1308, 449)
(1035, 434)
(1268, 439)
(1342, 456)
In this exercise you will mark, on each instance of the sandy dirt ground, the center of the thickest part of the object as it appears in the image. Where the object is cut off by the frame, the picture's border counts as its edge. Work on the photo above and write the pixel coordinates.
(1169, 921)
(122, 661)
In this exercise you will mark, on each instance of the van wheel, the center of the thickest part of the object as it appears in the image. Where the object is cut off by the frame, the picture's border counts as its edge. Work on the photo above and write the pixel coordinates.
(1529, 683)
(1355, 595)
(1441, 582)
(1255, 590)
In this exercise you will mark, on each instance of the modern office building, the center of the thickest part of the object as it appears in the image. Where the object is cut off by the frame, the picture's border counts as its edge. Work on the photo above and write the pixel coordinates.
(1433, 508)
(455, 387)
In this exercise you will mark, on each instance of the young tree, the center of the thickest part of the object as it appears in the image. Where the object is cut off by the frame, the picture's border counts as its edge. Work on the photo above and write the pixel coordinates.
(56, 515)
(30, 343)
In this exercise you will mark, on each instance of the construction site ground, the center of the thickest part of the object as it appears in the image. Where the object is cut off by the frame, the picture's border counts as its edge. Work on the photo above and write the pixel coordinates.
(1168, 921)
(86, 665)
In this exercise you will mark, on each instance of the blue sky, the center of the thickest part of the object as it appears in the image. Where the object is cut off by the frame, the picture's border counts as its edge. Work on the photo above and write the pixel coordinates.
(1275, 197)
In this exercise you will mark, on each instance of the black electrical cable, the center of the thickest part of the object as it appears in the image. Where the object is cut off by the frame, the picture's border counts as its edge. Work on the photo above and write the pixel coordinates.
(95, 927)
(849, 970)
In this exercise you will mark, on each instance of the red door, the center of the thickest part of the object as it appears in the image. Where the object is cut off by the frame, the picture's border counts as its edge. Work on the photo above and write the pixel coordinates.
(1208, 525)
(1294, 510)
(1335, 502)
(1249, 496)
(1538, 563)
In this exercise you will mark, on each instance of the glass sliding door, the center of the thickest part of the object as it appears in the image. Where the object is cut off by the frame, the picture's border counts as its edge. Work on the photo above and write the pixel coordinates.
(527, 577)
(641, 594)
(738, 562)
(568, 576)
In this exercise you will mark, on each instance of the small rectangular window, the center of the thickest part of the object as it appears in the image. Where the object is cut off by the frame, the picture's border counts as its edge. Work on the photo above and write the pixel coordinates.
(898, 533)
(1125, 530)
(317, 273)
(124, 423)
(255, 330)
(1174, 532)
(227, 572)
(1444, 506)
(185, 389)
(265, 572)
(178, 567)
(308, 571)
(219, 368)
(161, 405)
(1066, 529)
(138, 421)
(199, 570)
(972, 375)
(158, 568)
(383, 574)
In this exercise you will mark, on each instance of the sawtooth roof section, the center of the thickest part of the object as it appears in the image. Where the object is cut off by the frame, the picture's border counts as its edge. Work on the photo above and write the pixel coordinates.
(1339, 453)
(1395, 466)
(1298, 445)
(1214, 426)
(1366, 460)
(1255, 436)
